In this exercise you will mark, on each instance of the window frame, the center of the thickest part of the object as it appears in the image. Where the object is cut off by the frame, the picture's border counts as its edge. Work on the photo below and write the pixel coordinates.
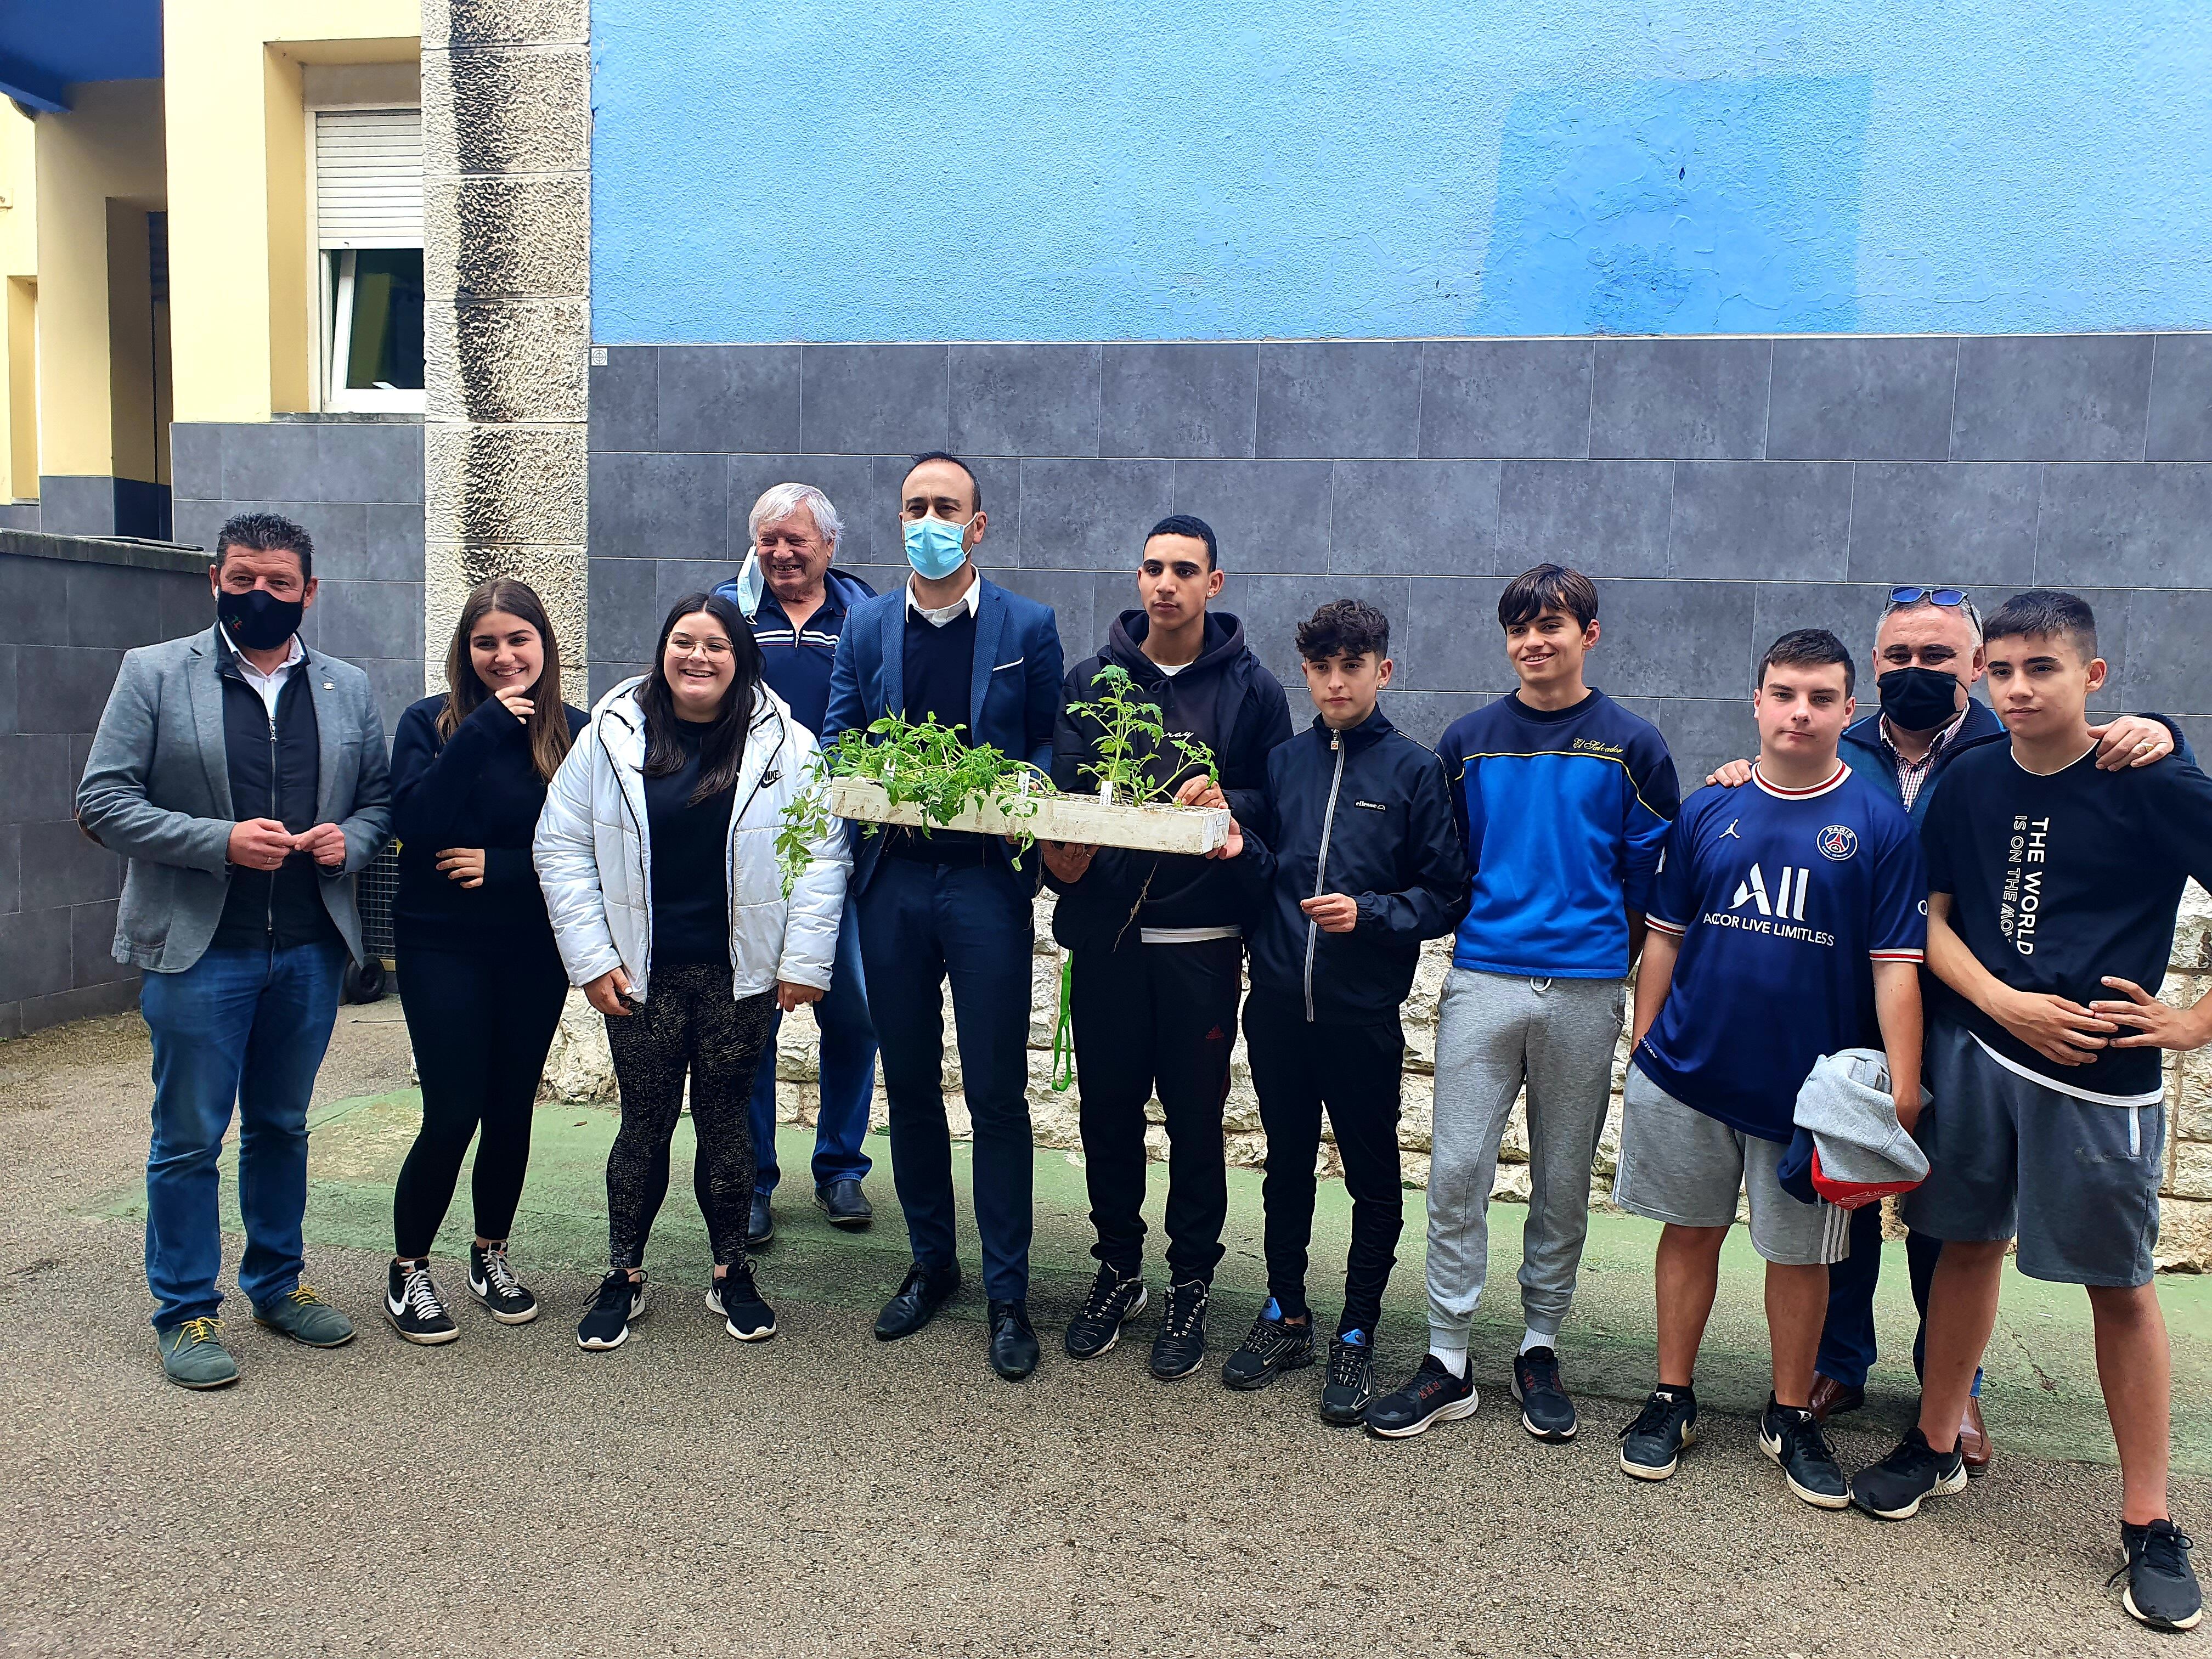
(331, 272)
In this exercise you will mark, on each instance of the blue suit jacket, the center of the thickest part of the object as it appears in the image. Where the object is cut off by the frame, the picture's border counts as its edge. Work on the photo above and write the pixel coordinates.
(1013, 697)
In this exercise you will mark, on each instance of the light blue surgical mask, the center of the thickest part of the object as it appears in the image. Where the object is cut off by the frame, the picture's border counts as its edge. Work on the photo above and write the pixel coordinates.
(936, 547)
(750, 584)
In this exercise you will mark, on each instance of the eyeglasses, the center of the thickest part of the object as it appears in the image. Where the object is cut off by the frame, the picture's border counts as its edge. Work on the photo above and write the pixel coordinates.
(684, 646)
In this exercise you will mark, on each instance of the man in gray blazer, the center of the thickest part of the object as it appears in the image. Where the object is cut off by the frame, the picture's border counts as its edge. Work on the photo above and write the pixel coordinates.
(243, 776)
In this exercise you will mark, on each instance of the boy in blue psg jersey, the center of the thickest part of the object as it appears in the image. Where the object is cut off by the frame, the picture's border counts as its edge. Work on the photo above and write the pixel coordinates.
(1562, 798)
(2055, 886)
(1788, 922)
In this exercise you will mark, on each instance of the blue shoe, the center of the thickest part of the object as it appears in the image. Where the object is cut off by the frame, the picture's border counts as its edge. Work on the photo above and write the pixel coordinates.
(193, 1357)
(306, 1318)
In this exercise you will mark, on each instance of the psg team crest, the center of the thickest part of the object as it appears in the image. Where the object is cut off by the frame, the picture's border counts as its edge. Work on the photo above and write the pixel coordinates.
(1837, 842)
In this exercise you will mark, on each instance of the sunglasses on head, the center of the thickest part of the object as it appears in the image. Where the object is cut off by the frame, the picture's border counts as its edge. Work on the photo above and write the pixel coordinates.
(1946, 596)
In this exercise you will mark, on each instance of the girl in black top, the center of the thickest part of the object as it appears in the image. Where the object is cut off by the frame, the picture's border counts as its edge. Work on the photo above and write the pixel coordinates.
(479, 977)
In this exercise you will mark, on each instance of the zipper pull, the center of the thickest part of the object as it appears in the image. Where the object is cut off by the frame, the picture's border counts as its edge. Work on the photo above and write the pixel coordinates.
(1334, 739)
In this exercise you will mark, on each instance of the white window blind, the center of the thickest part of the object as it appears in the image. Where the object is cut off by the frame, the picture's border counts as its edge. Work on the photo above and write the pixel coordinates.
(368, 178)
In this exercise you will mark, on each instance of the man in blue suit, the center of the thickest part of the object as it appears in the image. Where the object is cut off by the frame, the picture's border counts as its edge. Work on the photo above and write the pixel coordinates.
(950, 644)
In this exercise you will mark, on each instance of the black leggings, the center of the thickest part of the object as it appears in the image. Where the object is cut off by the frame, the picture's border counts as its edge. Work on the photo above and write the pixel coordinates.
(688, 1022)
(480, 1026)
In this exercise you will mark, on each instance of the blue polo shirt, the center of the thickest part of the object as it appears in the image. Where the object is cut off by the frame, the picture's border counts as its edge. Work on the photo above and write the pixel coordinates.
(796, 661)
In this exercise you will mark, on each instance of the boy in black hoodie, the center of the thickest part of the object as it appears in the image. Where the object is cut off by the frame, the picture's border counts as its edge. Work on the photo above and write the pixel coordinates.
(1156, 943)
(1353, 857)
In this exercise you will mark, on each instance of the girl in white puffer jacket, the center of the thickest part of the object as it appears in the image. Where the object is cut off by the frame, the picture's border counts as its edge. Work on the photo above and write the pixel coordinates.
(656, 854)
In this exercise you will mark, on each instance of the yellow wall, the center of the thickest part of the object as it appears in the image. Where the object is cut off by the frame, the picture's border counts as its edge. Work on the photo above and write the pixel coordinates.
(19, 267)
(240, 262)
(106, 148)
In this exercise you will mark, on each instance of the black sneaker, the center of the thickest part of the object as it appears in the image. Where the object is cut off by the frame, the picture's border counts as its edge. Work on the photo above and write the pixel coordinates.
(1545, 1411)
(413, 1306)
(2161, 1588)
(1892, 1489)
(1791, 1436)
(493, 1282)
(1180, 1347)
(1271, 1346)
(1113, 1301)
(1432, 1395)
(738, 1299)
(1666, 1427)
(620, 1300)
(1350, 1385)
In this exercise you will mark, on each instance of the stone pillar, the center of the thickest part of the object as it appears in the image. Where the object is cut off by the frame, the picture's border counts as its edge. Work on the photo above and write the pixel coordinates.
(507, 324)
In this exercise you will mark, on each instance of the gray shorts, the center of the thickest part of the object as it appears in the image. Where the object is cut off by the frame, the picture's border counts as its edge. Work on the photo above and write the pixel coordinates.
(1677, 1164)
(2076, 1179)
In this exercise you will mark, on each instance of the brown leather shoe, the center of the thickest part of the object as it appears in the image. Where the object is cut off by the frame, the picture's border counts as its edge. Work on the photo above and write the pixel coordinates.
(1974, 1440)
(1830, 1398)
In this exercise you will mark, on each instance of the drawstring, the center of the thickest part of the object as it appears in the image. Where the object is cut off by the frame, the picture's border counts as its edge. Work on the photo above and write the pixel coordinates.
(1063, 1035)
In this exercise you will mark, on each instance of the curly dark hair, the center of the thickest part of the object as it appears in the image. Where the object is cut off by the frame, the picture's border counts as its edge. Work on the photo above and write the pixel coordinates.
(1350, 626)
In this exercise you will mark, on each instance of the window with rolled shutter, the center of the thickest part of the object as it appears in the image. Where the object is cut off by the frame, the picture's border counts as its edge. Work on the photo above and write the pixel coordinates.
(368, 178)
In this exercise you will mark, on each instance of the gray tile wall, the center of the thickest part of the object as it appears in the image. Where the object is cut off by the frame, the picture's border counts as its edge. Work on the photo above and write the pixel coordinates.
(356, 485)
(1721, 490)
(63, 629)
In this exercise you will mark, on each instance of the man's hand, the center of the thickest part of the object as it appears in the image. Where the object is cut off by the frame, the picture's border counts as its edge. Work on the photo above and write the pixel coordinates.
(1337, 913)
(1730, 775)
(516, 700)
(1067, 860)
(463, 863)
(789, 995)
(1200, 791)
(259, 843)
(609, 994)
(2130, 740)
(2156, 1025)
(325, 844)
(1233, 847)
(2056, 1029)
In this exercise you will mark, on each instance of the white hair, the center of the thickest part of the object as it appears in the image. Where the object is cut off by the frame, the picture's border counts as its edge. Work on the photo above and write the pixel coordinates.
(1966, 609)
(782, 501)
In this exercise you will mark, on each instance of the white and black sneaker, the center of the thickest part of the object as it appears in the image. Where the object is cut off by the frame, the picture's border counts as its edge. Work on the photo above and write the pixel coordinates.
(737, 1300)
(621, 1300)
(1545, 1411)
(413, 1306)
(1430, 1394)
(1893, 1489)
(2162, 1590)
(493, 1282)
(1791, 1436)
(1652, 1445)
(1113, 1301)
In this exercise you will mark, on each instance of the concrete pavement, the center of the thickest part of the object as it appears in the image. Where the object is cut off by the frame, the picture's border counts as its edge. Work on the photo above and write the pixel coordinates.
(826, 1494)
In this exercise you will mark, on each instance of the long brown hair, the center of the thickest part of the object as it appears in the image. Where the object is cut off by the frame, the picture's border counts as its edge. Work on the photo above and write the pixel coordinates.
(722, 746)
(546, 727)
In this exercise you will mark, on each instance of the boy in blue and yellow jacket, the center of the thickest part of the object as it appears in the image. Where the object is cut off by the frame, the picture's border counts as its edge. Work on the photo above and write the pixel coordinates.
(1563, 799)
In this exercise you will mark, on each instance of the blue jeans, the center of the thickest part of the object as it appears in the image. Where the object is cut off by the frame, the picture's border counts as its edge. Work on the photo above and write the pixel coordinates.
(848, 1075)
(920, 923)
(1847, 1340)
(248, 1027)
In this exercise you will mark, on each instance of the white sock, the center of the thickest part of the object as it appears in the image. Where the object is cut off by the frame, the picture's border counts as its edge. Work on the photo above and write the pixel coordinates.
(1452, 1360)
(1533, 1337)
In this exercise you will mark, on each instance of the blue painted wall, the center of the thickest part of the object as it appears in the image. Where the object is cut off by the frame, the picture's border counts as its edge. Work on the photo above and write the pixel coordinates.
(1002, 169)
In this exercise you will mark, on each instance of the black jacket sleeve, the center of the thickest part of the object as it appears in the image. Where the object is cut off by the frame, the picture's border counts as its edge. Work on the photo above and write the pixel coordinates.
(1434, 862)
(1263, 727)
(432, 787)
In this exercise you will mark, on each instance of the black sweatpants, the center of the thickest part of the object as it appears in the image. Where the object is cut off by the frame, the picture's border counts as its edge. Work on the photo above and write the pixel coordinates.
(1158, 1018)
(1353, 1071)
(480, 1026)
(688, 1022)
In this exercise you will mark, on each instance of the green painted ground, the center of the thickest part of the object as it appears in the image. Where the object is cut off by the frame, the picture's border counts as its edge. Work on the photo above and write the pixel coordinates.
(2041, 1395)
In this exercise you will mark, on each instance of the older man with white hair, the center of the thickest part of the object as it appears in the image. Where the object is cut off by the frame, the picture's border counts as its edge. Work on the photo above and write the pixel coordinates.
(1927, 659)
(797, 601)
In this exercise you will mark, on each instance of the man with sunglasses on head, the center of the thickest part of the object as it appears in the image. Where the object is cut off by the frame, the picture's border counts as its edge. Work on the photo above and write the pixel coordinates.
(1927, 659)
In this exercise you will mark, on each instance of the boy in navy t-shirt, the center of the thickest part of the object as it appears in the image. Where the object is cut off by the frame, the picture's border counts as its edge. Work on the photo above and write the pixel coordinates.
(1788, 922)
(1562, 798)
(2055, 888)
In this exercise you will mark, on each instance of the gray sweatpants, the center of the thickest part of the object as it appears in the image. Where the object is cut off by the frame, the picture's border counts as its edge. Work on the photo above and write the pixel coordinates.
(1494, 1033)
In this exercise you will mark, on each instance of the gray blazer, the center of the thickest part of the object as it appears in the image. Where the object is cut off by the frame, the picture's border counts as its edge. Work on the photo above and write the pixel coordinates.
(157, 790)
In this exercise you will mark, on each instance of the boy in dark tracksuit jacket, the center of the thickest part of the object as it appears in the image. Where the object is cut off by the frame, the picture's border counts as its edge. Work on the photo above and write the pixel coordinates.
(1352, 859)
(1156, 946)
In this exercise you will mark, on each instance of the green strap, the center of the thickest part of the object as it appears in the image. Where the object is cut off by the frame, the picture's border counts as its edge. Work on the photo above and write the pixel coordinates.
(1063, 1035)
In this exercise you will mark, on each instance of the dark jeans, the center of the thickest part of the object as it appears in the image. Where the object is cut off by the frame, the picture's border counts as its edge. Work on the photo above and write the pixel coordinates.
(688, 1022)
(1354, 1071)
(922, 924)
(480, 1026)
(1159, 1017)
(848, 1071)
(245, 1028)
(1847, 1340)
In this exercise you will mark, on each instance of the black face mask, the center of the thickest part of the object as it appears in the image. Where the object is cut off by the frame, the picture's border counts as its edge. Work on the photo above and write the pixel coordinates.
(1918, 699)
(258, 620)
